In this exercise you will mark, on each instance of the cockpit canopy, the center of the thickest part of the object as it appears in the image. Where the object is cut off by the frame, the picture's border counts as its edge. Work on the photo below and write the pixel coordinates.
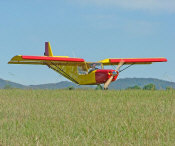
(95, 65)
(89, 67)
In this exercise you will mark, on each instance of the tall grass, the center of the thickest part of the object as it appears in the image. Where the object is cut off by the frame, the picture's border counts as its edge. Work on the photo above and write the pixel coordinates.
(62, 117)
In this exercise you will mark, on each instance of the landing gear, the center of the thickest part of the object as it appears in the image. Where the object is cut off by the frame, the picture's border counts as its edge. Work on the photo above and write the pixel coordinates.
(99, 87)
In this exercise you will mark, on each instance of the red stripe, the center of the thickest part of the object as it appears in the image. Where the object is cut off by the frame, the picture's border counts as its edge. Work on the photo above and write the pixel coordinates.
(53, 58)
(139, 60)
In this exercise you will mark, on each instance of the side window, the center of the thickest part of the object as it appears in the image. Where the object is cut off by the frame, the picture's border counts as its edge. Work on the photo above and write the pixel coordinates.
(81, 71)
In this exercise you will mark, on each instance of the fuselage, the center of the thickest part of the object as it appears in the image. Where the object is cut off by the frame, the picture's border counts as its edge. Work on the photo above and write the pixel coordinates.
(85, 76)
(95, 77)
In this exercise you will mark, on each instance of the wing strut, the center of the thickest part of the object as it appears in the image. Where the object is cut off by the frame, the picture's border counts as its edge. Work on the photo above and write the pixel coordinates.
(60, 71)
(126, 67)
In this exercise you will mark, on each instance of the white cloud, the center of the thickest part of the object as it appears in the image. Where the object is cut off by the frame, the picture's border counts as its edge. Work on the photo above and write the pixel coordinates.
(151, 5)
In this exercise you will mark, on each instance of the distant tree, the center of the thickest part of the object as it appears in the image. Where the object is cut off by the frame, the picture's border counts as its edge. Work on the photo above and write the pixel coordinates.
(71, 88)
(134, 87)
(169, 88)
(149, 87)
(7, 86)
(99, 87)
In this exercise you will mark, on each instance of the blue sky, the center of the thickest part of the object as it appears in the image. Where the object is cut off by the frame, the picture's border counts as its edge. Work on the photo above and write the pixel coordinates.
(90, 29)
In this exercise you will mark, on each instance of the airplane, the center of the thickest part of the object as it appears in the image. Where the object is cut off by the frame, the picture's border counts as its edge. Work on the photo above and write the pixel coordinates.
(81, 72)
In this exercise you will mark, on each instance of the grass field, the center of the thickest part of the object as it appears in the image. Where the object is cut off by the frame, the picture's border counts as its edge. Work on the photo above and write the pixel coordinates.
(89, 117)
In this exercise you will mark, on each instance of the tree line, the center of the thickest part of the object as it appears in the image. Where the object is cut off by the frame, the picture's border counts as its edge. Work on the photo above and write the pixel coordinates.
(99, 87)
(147, 87)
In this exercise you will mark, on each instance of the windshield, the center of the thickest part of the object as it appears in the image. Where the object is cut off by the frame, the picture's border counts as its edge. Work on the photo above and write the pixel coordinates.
(95, 65)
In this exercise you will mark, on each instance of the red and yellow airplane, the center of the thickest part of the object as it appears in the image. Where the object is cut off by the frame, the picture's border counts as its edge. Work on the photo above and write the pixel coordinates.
(78, 70)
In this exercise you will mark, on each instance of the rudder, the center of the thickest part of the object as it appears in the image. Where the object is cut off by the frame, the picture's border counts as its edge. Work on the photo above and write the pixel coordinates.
(48, 50)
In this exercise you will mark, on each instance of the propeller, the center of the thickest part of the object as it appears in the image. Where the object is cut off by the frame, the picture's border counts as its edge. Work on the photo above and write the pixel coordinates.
(106, 85)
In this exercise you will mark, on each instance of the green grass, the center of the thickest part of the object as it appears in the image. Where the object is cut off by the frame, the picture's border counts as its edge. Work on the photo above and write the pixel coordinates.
(62, 117)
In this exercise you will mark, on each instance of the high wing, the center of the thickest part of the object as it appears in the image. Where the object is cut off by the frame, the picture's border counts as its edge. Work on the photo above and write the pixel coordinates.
(65, 66)
(128, 61)
(46, 60)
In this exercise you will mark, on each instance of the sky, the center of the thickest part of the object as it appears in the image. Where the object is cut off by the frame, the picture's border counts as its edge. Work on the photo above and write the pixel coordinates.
(89, 29)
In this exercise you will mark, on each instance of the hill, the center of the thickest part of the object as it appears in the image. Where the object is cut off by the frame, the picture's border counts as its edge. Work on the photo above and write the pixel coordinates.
(119, 84)
(59, 85)
(4, 83)
(129, 82)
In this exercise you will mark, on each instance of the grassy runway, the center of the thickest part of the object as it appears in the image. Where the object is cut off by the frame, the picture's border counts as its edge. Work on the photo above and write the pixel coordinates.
(62, 117)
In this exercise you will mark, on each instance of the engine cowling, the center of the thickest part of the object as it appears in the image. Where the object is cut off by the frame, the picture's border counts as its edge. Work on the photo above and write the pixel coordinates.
(102, 75)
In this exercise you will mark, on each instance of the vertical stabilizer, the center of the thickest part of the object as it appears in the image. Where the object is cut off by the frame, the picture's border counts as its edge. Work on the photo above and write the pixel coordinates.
(48, 50)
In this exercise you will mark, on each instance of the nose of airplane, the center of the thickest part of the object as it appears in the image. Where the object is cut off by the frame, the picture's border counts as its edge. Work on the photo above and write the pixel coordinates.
(102, 75)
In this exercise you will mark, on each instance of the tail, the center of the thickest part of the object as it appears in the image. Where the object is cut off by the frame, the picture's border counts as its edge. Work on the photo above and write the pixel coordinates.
(48, 50)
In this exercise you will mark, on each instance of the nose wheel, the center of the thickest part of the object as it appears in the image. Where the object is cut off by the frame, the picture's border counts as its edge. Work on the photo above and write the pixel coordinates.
(105, 88)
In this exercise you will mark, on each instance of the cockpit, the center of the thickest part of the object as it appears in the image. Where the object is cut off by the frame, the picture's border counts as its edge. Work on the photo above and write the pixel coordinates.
(94, 66)
(89, 67)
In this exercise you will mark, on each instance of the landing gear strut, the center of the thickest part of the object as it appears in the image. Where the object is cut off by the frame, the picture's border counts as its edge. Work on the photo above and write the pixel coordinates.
(99, 87)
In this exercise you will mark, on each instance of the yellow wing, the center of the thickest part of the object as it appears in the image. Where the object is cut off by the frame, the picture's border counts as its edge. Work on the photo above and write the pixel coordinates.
(116, 61)
(46, 60)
